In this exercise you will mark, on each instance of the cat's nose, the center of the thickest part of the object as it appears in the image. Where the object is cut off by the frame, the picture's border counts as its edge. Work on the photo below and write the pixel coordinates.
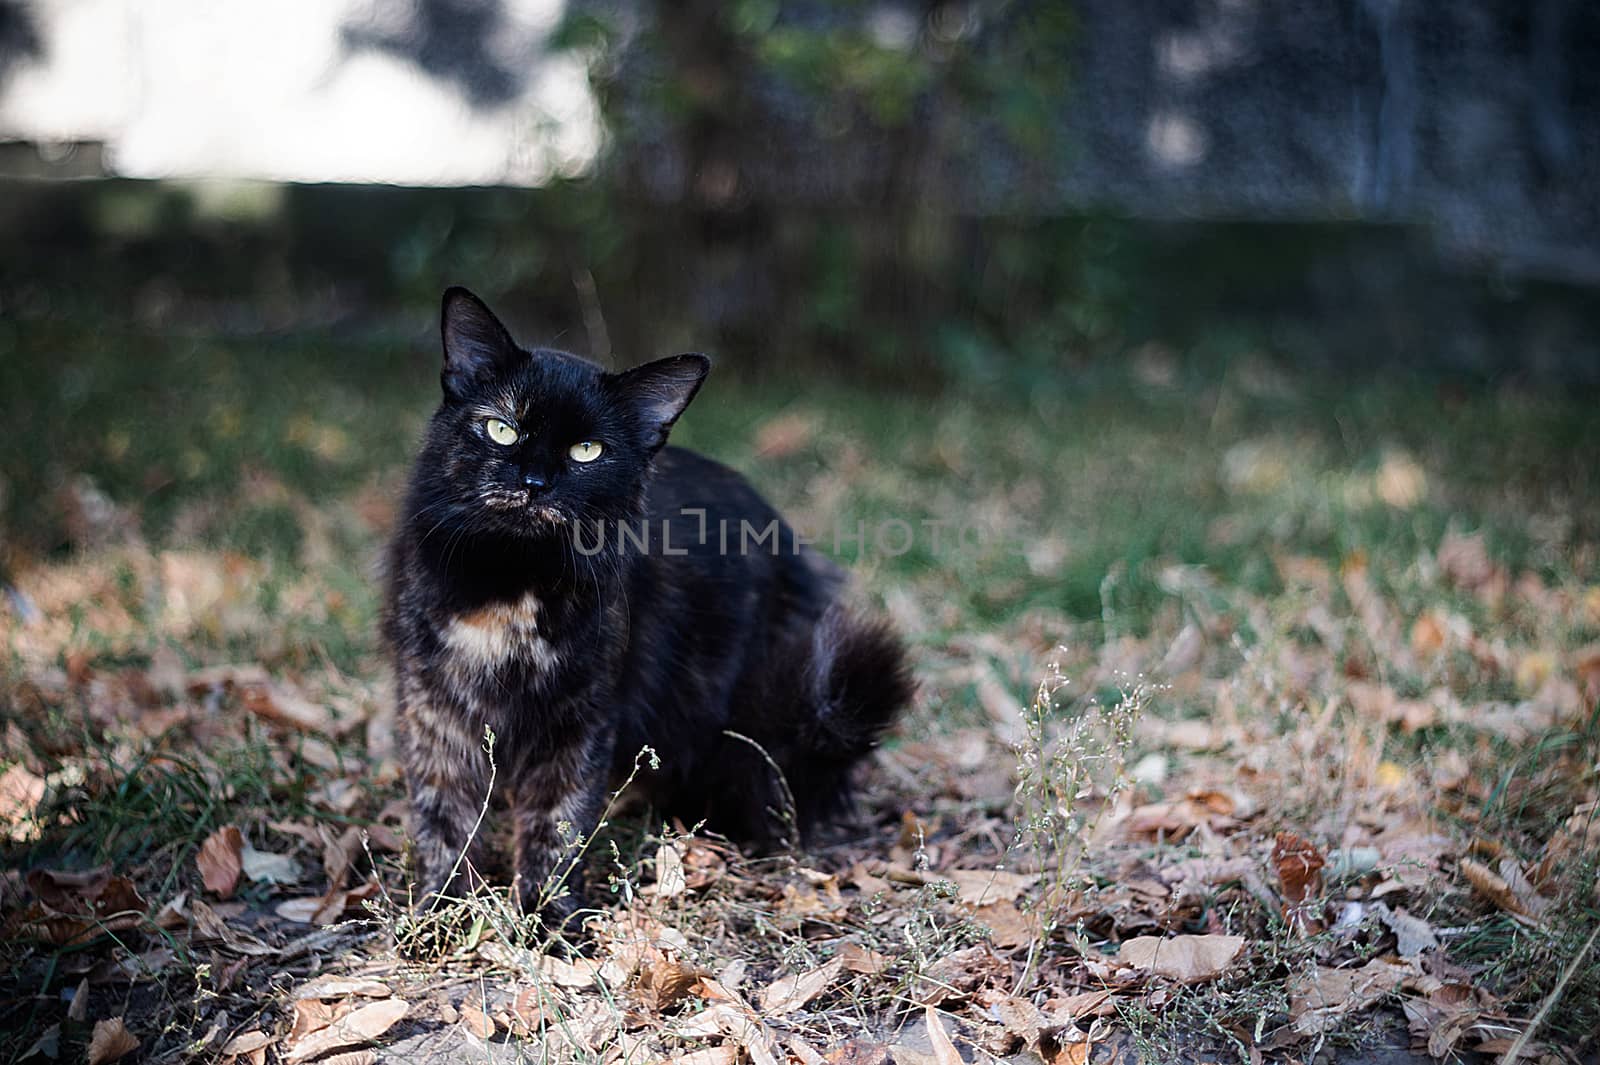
(535, 482)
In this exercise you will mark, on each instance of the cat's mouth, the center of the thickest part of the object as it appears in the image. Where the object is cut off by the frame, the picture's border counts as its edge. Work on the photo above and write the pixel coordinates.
(513, 501)
(504, 499)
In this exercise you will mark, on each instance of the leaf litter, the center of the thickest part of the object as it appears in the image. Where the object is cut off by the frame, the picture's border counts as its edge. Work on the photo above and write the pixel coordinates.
(1295, 822)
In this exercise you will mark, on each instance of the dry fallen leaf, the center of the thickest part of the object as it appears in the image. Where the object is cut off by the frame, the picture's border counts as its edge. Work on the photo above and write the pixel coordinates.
(1073, 1008)
(246, 1043)
(1187, 959)
(1412, 935)
(1008, 926)
(959, 974)
(21, 792)
(976, 887)
(110, 1041)
(208, 924)
(791, 993)
(477, 1020)
(1510, 892)
(220, 861)
(341, 987)
(859, 959)
(944, 1052)
(359, 1026)
(1299, 867)
(579, 972)
(280, 705)
(78, 1009)
(670, 880)
(267, 866)
(664, 981)
(72, 908)
(329, 908)
(859, 1051)
(1315, 1003)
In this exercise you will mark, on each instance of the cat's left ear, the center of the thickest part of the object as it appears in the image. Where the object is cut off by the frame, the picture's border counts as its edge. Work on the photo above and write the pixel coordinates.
(660, 390)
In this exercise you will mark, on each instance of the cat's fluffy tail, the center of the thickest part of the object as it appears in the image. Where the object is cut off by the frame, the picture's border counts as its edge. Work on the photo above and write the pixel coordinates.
(828, 705)
(858, 680)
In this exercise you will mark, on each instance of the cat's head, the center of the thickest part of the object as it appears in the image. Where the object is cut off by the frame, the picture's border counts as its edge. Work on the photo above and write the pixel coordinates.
(528, 442)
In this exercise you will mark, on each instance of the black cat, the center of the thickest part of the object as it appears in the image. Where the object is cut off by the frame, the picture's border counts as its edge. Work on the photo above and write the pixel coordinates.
(563, 578)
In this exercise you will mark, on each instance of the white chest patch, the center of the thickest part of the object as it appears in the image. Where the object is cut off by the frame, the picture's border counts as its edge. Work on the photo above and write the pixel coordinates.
(494, 635)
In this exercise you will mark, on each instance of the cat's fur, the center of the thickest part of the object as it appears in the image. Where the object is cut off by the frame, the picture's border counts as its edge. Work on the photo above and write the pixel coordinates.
(497, 618)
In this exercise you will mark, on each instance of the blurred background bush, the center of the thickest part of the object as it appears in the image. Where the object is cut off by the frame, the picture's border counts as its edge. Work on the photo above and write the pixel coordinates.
(214, 202)
(944, 187)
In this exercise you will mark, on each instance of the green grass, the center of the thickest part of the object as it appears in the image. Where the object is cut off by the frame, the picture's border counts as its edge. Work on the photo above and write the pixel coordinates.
(220, 440)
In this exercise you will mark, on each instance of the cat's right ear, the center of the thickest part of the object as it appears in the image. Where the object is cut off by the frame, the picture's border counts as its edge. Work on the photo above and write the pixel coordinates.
(476, 345)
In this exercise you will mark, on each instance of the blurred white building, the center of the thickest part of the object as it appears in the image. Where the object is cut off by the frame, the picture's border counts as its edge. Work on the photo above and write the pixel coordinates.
(414, 92)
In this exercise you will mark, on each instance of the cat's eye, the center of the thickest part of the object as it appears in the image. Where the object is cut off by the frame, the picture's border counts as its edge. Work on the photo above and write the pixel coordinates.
(585, 451)
(502, 433)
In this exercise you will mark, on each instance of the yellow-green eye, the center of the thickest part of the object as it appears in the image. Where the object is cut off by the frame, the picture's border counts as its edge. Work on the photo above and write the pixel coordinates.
(585, 451)
(500, 432)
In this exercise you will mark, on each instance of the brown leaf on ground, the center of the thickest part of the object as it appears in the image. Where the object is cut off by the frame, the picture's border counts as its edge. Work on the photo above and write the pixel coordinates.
(220, 861)
(122, 968)
(340, 851)
(475, 1019)
(859, 959)
(1021, 1019)
(1464, 560)
(944, 1051)
(78, 1009)
(960, 974)
(359, 1026)
(1073, 1008)
(111, 1040)
(313, 1015)
(1428, 634)
(283, 706)
(208, 924)
(71, 908)
(527, 1012)
(578, 972)
(790, 993)
(704, 865)
(1299, 864)
(978, 886)
(670, 879)
(329, 908)
(21, 792)
(1186, 959)
(246, 1043)
(341, 987)
(1315, 1003)
(1508, 889)
(1072, 1053)
(268, 867)
(664, 981)
(859, 1051)
(1008, 926)
(174, 913)
(1412, 935)
(1219, 810)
